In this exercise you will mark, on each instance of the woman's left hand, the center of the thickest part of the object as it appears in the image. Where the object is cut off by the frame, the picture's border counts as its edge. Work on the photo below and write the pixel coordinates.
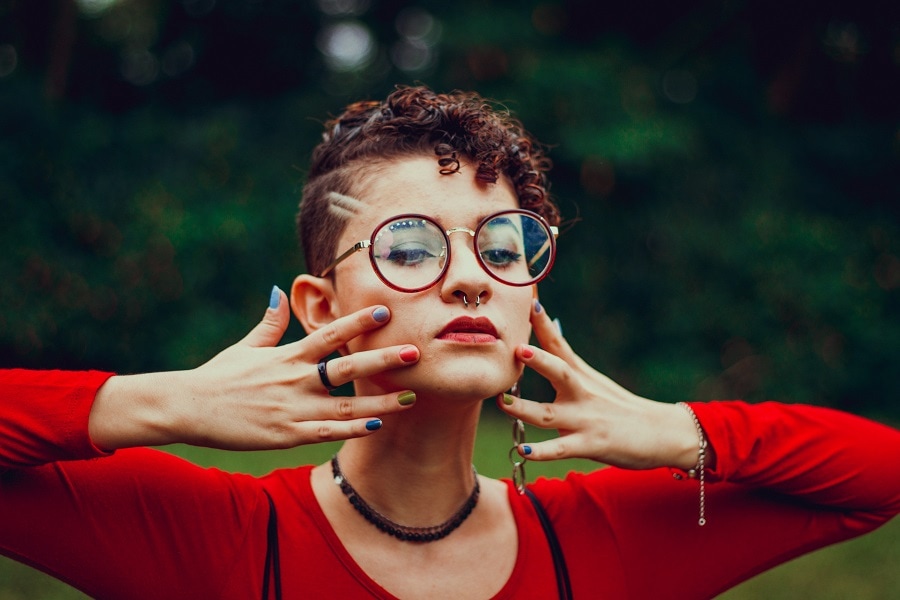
(596, 418)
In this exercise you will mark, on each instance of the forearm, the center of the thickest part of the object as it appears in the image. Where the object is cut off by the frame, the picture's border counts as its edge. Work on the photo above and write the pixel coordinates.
(678, 439)
(138, 410)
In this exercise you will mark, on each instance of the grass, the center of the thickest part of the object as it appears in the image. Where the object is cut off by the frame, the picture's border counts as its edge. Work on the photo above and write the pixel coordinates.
(862, 569)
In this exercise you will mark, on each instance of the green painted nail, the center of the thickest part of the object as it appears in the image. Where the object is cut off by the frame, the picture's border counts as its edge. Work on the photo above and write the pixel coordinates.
(406, 398)
(508, 399)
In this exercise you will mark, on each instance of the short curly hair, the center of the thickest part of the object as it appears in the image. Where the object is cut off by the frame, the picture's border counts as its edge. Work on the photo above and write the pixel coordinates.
(416, 121)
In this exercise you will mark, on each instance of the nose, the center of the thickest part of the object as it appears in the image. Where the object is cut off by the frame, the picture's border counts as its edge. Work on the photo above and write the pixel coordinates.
(465, 278)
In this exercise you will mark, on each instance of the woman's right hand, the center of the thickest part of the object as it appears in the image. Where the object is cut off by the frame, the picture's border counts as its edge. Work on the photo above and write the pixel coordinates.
(255, 395)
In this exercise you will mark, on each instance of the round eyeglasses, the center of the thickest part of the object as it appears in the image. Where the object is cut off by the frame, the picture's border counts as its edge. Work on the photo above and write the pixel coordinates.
(411, 252)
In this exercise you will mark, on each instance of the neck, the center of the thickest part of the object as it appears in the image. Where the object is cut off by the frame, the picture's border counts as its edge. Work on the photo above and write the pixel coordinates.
(418, 468)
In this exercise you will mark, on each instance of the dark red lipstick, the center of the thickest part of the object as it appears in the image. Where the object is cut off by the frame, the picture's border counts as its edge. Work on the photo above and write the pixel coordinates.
(469, 331)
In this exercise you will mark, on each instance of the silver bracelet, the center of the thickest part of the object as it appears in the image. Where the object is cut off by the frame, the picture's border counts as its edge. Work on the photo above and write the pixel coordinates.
(699, 471)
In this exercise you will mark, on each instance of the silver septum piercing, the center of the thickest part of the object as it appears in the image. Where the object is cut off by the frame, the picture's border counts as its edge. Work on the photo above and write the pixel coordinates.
(477, 300)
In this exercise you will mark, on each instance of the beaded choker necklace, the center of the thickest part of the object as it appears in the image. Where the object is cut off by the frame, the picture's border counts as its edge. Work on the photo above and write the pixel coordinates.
(404, 532)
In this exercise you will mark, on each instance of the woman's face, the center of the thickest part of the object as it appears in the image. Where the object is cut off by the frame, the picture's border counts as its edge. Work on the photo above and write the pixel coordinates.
(459, 358)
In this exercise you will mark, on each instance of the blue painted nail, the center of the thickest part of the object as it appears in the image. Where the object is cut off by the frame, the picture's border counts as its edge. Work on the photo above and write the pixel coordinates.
(537, 306)
(275, 297)
(381, 314)
(526, 449)
(373, 425)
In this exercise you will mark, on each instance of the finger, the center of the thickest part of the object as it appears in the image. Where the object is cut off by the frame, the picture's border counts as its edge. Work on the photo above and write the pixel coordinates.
(555, 449)
(329, 338)
(549, 335)
(545, 415)
(348, 408)
(315, 432)
(552, 367)
(364, 364)
(550, 338)
(270, 330)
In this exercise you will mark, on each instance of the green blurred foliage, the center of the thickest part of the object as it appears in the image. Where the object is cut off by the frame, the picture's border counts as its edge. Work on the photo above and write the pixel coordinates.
(728, 178)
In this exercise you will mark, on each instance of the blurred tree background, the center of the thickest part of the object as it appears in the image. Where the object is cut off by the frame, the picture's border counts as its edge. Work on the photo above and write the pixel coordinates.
(728, 172)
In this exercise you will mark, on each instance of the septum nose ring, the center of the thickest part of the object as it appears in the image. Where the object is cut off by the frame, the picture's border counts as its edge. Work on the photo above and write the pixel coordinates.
(465, 300)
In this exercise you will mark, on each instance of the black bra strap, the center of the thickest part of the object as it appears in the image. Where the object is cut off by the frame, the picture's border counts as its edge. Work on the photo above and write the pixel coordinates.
(273, 560)
(559, 561)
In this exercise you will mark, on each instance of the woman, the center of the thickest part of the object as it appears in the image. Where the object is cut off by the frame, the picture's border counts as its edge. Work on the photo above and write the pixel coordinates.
(414, 206)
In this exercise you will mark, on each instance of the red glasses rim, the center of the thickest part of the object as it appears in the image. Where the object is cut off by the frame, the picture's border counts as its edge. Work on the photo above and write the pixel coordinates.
(477, 230)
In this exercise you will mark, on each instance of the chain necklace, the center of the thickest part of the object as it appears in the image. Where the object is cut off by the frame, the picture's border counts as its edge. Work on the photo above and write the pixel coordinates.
(404, 532)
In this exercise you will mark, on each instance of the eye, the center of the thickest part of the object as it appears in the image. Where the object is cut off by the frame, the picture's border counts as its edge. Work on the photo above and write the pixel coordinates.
(408, 256)
(501, 257)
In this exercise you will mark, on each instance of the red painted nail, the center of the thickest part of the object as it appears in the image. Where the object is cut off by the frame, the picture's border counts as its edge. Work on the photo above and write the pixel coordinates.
(409, 354)
(527, 352)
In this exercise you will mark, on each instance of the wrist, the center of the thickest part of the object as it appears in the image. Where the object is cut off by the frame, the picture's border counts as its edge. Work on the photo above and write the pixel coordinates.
(135, 410)
(699, 470)
(686, 437)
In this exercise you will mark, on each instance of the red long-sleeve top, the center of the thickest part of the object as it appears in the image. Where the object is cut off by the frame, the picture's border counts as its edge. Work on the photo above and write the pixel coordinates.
(141, 523)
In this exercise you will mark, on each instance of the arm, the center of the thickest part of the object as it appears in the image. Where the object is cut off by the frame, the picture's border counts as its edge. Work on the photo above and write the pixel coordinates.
(782, 479)
(789, 479)
(599, 420)
(253, 395)
(135, 522)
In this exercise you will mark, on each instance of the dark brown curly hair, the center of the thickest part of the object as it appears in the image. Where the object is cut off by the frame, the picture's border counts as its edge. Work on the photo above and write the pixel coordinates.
(413, 121)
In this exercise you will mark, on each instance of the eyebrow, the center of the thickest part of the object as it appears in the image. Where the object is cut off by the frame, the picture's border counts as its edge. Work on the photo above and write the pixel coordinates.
(496, 221)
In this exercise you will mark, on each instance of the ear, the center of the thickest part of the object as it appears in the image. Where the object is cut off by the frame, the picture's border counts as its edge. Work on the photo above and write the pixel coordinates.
(313, 301)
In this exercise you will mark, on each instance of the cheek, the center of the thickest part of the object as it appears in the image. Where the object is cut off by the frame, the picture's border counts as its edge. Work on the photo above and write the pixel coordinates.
(402, 328)
(520, 321)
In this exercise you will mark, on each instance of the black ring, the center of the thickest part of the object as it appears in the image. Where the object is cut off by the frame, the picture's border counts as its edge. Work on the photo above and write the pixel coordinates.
(323, 375)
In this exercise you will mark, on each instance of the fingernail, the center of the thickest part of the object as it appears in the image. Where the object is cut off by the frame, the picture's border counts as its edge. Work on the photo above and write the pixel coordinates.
(527, 352)
(406, 398)
(508, 399)
(275, 297)
(381, 314)
(409, 354)
(526, 450)
(558, 325)
(537, 306)
(373, 425)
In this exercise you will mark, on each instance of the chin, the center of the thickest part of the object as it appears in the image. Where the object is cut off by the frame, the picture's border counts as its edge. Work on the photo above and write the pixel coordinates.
(478, 381)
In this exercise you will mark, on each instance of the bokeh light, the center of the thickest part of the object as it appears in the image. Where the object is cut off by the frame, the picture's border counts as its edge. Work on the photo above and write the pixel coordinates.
(419, 34)
(346, 45)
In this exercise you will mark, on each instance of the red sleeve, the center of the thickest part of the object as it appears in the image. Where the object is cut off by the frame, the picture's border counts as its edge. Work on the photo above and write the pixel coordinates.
(787, 480)
(44, 415)
(820, 455)
(139, 524)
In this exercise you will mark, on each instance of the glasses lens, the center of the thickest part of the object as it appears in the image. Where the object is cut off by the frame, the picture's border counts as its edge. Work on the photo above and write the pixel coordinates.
(409, 252)
(515, 247)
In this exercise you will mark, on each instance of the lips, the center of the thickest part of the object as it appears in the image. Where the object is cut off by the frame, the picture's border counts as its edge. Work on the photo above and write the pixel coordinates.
(469, 331)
